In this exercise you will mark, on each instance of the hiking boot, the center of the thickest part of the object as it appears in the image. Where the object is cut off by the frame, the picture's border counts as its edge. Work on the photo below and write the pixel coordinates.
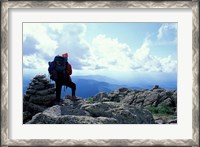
(74, 98)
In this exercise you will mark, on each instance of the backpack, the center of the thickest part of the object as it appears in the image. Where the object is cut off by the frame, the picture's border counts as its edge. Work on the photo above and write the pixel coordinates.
(57, 68)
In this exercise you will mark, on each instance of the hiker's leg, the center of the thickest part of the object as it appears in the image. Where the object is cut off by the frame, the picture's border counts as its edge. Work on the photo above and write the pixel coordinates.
(73, 89)
(72, 86)
(58, 90)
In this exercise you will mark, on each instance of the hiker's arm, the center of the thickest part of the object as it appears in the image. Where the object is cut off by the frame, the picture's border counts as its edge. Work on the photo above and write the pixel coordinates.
(69, 69)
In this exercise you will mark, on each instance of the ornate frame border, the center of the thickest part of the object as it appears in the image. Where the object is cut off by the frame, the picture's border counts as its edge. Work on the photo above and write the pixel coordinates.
(5, 5)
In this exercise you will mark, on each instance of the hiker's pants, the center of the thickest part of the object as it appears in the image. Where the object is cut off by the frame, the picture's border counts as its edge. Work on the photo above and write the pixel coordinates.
(59, 85)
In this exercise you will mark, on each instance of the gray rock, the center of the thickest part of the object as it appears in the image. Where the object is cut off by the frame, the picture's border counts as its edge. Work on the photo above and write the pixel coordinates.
(128, 99)
(121, 113)
(43, 100)
(74, 104)
(105, 99)
(42, 119)
(174, 98)
(122, 90)
(26, 97)
(39, 86)
(169, 93)
(43, 80)
(167, 102)
(160, 121)
(50, 85)
(131, 116)
(156, 87)
(98, 109)
(163, 96)
(140, 99)
(115, 99)
(174, 121)
(46, 91)
(151, 99)
(139, 105)
(158, 90)
(66, 110)
(122, 106)
(71, 119)
(115, 96)
(32, 108)
(53, 111)
(40, 76)
(34, 81)
(30, 91)
(100, 96)
(26, 116)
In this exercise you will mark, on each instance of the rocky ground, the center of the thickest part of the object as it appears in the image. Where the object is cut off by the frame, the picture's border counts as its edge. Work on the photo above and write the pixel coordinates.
(122, 106)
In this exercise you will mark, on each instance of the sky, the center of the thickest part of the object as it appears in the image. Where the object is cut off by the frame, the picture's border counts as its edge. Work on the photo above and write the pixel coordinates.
(109, 49)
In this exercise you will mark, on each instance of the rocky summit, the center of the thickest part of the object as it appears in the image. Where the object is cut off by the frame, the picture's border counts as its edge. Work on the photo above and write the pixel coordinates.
(122, 106)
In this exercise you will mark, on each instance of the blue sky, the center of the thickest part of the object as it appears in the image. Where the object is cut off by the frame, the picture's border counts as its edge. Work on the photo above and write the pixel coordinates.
(102, 48)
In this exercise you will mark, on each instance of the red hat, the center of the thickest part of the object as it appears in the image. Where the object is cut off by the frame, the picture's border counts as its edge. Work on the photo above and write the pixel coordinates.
(65, 55)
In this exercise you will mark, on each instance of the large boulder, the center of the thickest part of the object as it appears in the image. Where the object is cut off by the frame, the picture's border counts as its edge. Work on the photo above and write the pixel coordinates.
(74, 108)
(41, 118)
(71, 119)
(53, 115)
(43, 100)
(82, 112)
(100, 109)
(33, 108)
(30, 109)
(151, 99)
(100, 97)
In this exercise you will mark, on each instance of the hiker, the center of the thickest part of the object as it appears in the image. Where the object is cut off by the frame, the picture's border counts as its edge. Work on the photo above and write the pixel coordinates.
(62, 78)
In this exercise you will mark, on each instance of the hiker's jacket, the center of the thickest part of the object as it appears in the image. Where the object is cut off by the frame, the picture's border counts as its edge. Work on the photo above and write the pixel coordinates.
(69, 71)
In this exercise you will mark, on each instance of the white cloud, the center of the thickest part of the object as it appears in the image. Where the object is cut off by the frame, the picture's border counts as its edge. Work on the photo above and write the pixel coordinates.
(34, 61)
(72, 40)
(53, 39)
(168, 64)
(56, 27)
(143, 53)
(145, 61)
(102, 53)
(40, 33)
(167, 29)
(109, 53)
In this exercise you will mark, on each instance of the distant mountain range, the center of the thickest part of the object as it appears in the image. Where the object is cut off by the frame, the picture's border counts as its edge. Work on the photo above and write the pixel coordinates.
(88, 86)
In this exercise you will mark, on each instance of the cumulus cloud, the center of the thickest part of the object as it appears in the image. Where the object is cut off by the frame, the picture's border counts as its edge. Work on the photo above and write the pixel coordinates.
(142, 53)
(167, 31)
(29, 46)
(50, 39)
(34, 61)
(109, 53)
(39, 32)
(71, 40)
(145, 61)
(42, 41)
